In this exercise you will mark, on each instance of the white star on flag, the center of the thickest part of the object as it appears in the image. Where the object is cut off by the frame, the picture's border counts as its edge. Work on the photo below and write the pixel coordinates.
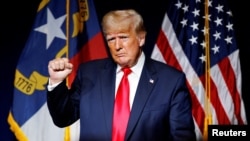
(52, 28)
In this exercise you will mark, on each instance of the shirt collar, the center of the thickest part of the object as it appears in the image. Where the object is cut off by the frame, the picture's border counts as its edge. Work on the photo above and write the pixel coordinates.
(137, 68)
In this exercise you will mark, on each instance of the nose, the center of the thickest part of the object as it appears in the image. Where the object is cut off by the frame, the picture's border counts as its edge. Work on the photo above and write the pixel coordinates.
(118, 45)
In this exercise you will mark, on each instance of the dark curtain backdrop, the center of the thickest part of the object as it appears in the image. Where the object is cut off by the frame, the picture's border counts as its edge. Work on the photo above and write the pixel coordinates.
(17, 19)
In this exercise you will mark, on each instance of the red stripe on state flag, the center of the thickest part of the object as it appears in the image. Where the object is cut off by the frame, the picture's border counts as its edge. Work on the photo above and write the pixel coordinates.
(93, 49)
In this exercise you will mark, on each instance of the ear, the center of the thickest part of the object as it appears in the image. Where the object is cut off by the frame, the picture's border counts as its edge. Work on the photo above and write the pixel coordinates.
(142, 41)
(142, 37)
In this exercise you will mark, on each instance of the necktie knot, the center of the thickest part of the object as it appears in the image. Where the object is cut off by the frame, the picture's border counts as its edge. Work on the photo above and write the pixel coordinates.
(126, 71)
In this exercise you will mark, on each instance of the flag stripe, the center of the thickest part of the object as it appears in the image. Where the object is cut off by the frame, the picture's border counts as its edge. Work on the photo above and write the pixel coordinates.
(221, 116)
(94, 49)
(230, 80)
(181, 44)
(235, 64)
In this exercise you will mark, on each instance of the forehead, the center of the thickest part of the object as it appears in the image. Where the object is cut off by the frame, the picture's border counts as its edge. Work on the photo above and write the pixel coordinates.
(120, 30)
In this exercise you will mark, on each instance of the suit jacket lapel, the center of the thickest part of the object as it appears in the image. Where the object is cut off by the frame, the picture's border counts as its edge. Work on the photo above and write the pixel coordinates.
(107, 92)
(147, 81)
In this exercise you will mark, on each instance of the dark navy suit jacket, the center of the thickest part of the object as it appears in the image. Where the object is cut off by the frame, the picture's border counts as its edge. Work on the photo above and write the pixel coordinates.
(161, 109)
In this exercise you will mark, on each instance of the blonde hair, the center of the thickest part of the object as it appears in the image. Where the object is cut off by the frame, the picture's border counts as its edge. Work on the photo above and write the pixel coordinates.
(122, 20)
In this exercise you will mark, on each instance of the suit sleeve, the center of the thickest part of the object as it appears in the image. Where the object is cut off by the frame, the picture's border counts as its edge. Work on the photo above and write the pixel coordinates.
(63, 105)
(181, 120)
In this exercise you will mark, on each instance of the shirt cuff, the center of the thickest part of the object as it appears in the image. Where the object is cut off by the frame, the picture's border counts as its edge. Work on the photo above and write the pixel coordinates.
(51, 87)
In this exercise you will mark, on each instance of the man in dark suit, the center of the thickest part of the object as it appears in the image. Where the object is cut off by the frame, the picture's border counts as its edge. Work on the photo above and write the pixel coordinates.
(159, 102)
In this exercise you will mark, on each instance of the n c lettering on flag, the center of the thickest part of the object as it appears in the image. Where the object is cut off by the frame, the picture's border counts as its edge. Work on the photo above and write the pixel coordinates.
(197, 37)
(62, 28)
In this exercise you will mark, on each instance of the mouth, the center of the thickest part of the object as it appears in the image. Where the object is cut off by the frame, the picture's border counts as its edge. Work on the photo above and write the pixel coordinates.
(120, 55)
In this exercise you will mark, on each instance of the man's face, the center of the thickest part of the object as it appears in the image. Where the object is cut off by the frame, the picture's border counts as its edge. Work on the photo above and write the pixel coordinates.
(125, 47)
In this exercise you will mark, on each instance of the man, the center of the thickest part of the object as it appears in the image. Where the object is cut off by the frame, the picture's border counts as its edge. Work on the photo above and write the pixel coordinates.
(159, 102)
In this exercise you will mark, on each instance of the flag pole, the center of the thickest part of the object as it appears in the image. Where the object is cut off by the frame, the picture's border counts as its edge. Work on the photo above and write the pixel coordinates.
(67, 129)
(208, 116)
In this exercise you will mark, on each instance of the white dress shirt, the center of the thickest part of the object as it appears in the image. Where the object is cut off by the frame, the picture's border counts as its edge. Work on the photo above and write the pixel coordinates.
(133, 77)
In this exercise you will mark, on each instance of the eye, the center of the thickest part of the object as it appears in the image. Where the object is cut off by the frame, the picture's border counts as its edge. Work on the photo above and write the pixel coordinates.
(123, 38)
(110, 39)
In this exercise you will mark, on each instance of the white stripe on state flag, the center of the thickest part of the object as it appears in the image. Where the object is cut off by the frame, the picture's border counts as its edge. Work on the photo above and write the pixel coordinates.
(75, 131)
(43, 126)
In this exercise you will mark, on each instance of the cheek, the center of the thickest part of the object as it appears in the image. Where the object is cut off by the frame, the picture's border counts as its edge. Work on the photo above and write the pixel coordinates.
(133, 51)
(111, 47)
(112, 51)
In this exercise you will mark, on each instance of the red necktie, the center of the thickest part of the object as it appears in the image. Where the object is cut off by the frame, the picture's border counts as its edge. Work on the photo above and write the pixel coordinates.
(121, 109)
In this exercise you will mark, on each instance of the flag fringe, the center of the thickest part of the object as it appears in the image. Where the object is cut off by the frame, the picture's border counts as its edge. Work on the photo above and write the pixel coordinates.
(15, 128)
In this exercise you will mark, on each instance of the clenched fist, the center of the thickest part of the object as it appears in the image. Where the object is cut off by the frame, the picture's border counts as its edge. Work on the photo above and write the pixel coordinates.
(59, 69)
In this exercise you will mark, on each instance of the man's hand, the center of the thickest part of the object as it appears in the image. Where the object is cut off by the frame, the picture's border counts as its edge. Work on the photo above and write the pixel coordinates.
(59, 69)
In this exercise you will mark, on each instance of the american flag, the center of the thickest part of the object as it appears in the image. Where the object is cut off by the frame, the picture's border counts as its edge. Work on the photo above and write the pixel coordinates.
(197, 37)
